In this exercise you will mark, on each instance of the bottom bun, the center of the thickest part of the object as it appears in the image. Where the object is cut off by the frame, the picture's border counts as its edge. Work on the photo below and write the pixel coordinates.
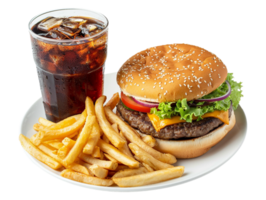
(195, 147)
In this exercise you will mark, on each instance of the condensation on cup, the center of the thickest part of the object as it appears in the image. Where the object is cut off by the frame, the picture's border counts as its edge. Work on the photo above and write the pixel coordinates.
(69, 49)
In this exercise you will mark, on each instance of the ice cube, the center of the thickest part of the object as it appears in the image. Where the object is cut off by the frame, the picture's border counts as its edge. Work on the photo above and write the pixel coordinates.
(78, 20)
(48, 66)
(56, 59)
(45, 47)
(68, 31)
(72, 25)
(86, 29)
(83, 52)
(49, 23)
(57, 35)
(100, 41)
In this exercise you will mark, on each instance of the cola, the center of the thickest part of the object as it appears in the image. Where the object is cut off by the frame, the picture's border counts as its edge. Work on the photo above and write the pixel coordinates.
(70, 56)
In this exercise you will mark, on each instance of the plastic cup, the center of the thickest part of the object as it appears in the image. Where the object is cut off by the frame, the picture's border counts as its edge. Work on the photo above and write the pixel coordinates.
(69, 70)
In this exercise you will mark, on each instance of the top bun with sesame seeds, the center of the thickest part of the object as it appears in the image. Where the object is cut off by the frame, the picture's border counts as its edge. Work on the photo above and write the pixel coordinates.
(168, 73)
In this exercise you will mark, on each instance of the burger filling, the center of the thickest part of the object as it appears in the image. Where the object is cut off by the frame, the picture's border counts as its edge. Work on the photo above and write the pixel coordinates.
(183, 119)
(142, 122)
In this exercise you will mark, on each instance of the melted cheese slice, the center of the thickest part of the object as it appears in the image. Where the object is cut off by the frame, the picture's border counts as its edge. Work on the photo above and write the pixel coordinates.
(159, 124)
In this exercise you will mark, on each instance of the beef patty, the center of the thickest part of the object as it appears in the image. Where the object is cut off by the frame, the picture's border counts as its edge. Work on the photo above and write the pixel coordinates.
(141, 122)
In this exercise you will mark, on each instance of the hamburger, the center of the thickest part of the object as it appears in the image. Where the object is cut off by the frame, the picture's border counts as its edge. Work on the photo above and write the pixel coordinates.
(180, 94)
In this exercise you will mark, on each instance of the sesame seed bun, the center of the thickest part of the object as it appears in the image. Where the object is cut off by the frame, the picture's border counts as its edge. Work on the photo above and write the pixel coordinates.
(195, 147)
(171, 72)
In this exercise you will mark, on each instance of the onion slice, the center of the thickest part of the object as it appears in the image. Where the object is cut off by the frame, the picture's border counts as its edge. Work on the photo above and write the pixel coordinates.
(218, 98)
(146, 104)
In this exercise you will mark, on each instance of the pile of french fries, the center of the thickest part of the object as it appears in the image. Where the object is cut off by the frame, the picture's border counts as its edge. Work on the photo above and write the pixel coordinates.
(97, 147)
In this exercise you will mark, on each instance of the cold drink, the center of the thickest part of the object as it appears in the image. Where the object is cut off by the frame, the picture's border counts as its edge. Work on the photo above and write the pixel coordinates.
(70, 54)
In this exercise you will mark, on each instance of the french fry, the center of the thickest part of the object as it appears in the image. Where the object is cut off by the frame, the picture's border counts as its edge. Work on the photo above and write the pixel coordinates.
(102, 155)
(112, 151)
(148, 167)
(102, 163)
(149, 140)
(87, 165)
(115, 127)
(79, 168)
(113, 101)
(81, 141)
(111, 173)
(110, 158)
(63, 151)
(130, 172)
(37, 127)
(60, 133)
(62, 124)
(54, 144)
(98, 171)
(70, 174)
(89, 106)
(113, 136)
(68, 142)
(132, 137)
(121, 167)
(36, 153)
(93, 139)
(125, 148)
(74, 166)
(45, 122)
(147, 158)
(105, 138)
(150, 177)
(96, 152)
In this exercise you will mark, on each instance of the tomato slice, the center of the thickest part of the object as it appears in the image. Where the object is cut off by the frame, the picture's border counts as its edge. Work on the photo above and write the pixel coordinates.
(129, 102)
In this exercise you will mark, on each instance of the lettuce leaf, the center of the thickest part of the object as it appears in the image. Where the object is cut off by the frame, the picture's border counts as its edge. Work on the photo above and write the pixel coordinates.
(181, 108)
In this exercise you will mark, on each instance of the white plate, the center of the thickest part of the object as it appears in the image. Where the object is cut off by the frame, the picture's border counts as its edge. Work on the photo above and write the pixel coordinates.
(194, 168)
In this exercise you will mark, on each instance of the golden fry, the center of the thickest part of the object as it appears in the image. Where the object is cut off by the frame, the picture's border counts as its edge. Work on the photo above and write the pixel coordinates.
(79, 168)
(99, 171)
(81, 141)
(63, 151)
(125, 149)
(68, 142)
(113, 136)
(45, 122)
(130, 172)
(93, 139)
(96, 152)
(113, 101)
(89, 106)
(132, 137)
(70, 174)
(150, 177)
(60, 133)
(112, 151)
(62, 124)
(105, 138)
(148, 167)
(149, 140)
(102, 163)
(54, 144)
(115, 127)
(36, 153)
(144, 157)
(110, 158)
